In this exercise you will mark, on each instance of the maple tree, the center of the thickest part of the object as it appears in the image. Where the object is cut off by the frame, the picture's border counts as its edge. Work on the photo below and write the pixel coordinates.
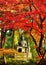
(14, 17)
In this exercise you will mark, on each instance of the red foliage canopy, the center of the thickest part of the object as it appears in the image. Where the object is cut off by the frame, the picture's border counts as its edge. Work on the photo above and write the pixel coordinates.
(12, 21)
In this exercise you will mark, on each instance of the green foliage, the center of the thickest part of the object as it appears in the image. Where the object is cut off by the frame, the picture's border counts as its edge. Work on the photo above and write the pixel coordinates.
(9, 33)
(8, 42)
(31, 62)
(16, 37)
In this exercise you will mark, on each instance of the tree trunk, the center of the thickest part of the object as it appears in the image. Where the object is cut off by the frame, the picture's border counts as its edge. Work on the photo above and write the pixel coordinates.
(13, 39)
(42, 62)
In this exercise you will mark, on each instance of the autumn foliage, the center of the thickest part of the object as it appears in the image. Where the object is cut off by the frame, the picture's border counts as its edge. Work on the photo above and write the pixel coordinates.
(14, 17)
